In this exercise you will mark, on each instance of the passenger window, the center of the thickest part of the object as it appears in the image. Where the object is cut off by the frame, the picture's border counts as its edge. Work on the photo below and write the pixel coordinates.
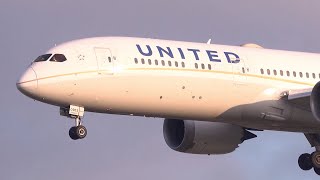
(202, 66)
(268, 71)
(42, 58)
(288, 73)
(281, 72)
(261, 71)
(183, 65)
(209, 66)
(149, 61)
(163, 63)
(243, 70)
(142, 61)
(176, 63)
(136, 60)
(275, 72)
(307, 75)
(301, 75)
(196, 65)
(294, 74)
(58, 58)
(156, 62)
(109, 59)
(313, 75)
(169, 62)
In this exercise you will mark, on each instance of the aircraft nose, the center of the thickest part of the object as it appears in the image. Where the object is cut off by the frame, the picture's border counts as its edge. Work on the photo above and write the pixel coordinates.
(28, 83)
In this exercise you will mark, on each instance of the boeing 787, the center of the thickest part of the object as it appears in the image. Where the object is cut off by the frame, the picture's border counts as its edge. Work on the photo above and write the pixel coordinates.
(211, 96)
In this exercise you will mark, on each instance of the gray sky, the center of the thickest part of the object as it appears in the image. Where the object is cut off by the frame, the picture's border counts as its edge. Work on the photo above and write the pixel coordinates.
(34, 141)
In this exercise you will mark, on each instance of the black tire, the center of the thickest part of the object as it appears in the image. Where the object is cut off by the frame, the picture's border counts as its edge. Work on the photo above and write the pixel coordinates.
(305, 162)
(315, 157)
(72, 133)
(81, 132)
(317, 170)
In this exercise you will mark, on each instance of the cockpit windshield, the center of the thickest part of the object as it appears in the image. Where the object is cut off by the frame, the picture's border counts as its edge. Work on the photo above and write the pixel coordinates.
(43, 58)
(58, 58)
(54, 58)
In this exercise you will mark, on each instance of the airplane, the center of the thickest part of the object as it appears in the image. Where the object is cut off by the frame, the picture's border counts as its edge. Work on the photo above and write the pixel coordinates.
(211, 96)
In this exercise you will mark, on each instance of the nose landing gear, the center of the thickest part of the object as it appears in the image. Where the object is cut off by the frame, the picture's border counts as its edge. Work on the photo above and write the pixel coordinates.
(78, 131)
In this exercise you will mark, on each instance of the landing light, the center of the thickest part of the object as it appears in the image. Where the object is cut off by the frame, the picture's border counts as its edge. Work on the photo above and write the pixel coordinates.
(269, 91)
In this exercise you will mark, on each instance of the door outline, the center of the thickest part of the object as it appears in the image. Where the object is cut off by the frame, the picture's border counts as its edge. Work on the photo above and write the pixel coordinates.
(105, 60)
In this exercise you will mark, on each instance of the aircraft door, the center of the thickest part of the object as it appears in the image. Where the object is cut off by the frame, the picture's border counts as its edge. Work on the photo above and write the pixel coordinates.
(105, 60)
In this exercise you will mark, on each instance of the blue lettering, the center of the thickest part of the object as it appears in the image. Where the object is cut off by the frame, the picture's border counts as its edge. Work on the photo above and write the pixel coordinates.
(149, 53)
(213, 56)
(235, 59)
(195, 52)
(181, 53)
(168, 51)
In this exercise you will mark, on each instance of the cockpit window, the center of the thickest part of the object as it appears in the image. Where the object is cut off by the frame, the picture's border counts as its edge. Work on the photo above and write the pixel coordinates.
(58, 58)
(43, 58)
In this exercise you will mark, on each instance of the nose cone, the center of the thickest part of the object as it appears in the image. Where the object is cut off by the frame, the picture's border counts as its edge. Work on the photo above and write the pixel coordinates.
(28, 83)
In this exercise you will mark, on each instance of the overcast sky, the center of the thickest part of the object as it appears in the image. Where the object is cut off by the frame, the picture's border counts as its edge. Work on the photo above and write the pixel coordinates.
(34, 141)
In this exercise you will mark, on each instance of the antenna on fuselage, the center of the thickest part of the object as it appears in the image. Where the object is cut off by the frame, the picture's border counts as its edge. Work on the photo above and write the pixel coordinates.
(209, 41)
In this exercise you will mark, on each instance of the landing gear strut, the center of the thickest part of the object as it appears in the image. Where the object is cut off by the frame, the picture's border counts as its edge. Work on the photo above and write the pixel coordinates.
(308, 161)
(75, 112)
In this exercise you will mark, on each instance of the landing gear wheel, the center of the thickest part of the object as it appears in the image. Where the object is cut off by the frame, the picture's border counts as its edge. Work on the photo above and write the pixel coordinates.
(305, 162)
(72, 133)
(315, 156)
(317, 170)
(81, 132)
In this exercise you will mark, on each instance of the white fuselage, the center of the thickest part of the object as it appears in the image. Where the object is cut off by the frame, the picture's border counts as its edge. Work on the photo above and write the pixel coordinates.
(182, 80)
